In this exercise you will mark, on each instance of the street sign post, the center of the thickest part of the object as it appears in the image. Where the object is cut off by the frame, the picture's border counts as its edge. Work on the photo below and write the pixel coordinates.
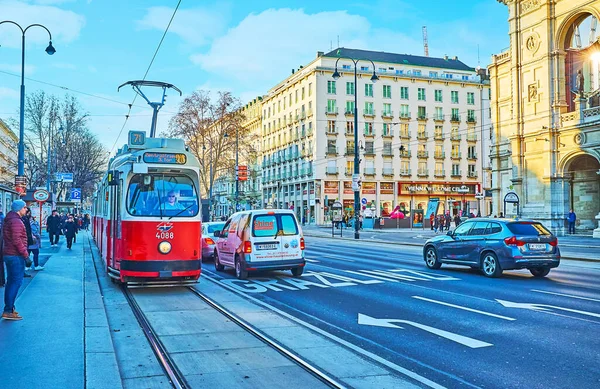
(511, 198)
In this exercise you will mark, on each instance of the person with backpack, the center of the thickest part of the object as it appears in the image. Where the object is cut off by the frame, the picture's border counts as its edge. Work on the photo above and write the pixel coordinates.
(14, 250)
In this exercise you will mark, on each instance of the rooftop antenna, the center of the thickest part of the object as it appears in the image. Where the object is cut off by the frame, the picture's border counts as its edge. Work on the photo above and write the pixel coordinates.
(338, 41)
(425, 44)
(156, 106)
(478, 59)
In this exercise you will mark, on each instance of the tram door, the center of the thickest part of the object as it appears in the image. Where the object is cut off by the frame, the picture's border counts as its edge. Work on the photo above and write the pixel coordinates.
(115, 223)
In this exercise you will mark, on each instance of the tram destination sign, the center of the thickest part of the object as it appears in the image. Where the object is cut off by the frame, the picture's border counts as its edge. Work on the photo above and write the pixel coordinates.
(166, 158)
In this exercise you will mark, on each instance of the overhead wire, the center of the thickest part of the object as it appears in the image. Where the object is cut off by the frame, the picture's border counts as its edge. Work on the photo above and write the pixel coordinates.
(146, 74)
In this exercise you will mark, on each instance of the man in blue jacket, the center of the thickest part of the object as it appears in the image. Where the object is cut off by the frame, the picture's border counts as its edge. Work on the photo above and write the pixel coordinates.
(571, 217)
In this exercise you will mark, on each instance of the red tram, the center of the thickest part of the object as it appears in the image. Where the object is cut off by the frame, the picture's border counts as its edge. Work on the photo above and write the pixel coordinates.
(146, 213)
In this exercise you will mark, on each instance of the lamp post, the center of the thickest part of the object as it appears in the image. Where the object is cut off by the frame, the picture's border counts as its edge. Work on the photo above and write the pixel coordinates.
(355, 177)
(210, 179)
(50, 50)
(237, 179)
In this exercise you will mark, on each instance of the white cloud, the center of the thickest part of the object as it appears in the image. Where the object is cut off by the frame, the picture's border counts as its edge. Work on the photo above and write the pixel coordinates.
(65, 26)
(8, 93)
(264, 47)
(64, 65)
(195, 26)
(16, 69)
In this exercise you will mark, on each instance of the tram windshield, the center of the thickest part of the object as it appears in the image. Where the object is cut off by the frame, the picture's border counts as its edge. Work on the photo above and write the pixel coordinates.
(164, 195)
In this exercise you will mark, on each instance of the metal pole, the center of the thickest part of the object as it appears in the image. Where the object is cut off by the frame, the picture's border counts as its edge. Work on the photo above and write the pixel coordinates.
(154, 119)
(237, 171)
(49, 154)
(356, 157)
(21, 156)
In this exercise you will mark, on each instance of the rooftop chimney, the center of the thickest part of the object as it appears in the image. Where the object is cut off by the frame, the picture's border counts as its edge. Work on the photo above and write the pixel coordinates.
(445, 57)
(455, 58)
(293, 71)
(320, 54)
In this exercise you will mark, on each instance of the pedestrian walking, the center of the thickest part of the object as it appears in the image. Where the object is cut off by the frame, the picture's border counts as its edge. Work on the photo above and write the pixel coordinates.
(14, 250)
(86, 221)
(442, 222)
(571, 217)
(70, 231)
(448, 220)
(456, 220)
(432, 220)
(2, 275)
(436, 224)
(34, 239)
(501, 215)
(53, 228)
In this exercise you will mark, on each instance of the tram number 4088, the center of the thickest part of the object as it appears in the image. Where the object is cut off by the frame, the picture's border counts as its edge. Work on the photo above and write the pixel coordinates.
(164, 235)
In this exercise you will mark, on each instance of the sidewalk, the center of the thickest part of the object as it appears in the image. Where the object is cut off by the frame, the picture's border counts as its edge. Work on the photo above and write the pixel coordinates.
(572, 247)
(63, 340)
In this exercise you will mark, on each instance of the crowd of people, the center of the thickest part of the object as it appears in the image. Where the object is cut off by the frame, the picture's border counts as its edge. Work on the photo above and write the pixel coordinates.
(20, 238)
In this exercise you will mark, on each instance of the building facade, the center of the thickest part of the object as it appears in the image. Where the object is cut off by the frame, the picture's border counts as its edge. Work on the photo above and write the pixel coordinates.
(546, 113)
(423, 127)
(8, 166)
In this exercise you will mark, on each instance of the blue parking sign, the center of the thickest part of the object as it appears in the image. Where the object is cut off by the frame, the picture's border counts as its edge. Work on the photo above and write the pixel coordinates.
(76, 194)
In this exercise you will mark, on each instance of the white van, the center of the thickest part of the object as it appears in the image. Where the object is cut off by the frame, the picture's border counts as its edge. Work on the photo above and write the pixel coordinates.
(268, 239)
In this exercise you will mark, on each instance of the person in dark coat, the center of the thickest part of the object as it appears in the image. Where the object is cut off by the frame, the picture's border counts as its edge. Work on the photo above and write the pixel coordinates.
(70, 230)
(53, 228)
(456, 220)
(448, 221)
(14, 250)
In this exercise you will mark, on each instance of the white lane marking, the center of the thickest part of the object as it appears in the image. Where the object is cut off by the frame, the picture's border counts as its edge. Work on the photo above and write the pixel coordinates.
(311, 260)
(389, 323)
(566, 295)
(544, 307)
(464, 308)
(341, 341)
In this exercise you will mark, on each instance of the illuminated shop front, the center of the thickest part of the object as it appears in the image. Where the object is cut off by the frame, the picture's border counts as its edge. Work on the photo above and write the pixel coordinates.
(457, 198)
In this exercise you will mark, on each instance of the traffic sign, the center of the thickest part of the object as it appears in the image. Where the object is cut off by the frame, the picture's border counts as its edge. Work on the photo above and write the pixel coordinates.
(41, 195)
(242, 172)
(63, 177)
(363, 201)
(76, 195)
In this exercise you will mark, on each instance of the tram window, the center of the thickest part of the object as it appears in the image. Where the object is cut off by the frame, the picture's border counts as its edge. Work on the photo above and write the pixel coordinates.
(162, 195)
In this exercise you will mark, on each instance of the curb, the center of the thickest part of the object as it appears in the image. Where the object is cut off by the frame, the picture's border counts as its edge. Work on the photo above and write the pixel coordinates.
(421, 245)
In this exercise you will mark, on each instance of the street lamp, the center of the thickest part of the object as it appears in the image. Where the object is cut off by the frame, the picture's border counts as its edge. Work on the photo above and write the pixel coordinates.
(210, 180)
(356, 175)
(50, 50)
(237, 180)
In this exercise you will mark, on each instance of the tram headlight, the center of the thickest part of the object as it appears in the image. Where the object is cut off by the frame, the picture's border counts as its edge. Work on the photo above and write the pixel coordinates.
(164, 247)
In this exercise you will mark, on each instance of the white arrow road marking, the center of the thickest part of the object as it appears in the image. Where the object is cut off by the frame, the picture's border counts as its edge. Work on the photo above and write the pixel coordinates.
(566, 295)
(464, 308)
(389, 323)
(544, 307)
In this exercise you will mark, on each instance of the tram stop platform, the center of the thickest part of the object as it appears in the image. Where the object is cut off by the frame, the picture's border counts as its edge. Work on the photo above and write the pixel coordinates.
(63, 340)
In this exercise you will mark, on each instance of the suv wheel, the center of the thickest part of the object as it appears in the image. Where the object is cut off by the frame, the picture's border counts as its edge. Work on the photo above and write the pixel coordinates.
(297, 271)
(540, 271)
(490, 265)
(218, 266)
(240, 273)
(431, 258)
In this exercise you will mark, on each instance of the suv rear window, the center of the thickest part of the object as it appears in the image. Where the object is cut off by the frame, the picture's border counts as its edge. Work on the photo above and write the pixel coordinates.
(531, 229)
(268, 225)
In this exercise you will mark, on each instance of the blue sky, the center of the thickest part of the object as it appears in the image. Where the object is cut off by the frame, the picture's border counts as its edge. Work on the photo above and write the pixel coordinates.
(244, 47)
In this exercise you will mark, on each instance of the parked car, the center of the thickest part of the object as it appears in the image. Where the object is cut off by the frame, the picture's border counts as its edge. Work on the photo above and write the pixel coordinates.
(260, 240)
(494, 245)
(208, 241)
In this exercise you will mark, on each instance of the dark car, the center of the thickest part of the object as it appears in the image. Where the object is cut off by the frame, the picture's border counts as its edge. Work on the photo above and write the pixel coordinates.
(494, 245)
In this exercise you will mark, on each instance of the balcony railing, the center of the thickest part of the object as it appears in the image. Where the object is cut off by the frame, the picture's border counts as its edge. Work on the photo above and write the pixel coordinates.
(350, 150)
(349, 171)
(439, 155)
(388, 171)
(455, 137)
(331, 110)
(405, 154)
(422, 135)
(387, 114)
(388, 134)
(438, 136)
(456, 173)
(349, 132)
(331, 151)
(368, 112)
(455, 118)
(471, 137)
(439, 118)
(369, 171)
(331, 131)
(310, 112)
(456, 155)
(387, 152)
(422, 154)
(440, 173)
(472, 156)
(302, 115)
(471, 119)
(349, 112)
(309, 131)
(423, 173)
(404, 134)
(405, 172)
(472, 174)
(331, 170)
(422, 117)
(369, 151)
(369, 133)
(404, 115)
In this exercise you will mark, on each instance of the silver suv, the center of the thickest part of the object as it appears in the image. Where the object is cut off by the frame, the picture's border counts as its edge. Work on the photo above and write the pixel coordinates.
(494, 245)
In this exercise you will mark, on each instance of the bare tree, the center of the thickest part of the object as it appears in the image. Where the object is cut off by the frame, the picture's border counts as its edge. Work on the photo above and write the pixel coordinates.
(61, 126)
(209, 129)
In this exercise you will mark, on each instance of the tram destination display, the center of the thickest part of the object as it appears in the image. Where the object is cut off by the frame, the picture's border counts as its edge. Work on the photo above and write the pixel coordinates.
(166, 158)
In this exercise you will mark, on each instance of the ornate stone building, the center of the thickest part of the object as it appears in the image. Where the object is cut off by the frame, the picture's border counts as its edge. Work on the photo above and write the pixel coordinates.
(546, 113)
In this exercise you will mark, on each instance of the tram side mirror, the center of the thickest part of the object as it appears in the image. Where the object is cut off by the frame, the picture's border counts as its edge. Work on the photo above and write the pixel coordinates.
(217, 234)
(112, 177)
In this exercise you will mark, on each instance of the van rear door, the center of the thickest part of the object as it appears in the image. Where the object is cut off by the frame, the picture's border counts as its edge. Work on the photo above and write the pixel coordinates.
(266, 242)
(289, 237)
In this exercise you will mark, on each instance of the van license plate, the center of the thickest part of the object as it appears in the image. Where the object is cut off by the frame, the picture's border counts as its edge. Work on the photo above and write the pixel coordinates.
(537, 246)
(268, 246)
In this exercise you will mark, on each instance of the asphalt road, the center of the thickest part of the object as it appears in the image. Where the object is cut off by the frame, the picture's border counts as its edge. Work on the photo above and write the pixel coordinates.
(452, 326)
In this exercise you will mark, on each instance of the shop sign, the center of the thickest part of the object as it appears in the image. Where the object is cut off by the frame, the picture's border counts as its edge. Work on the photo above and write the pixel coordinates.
(386, 188)
(348, 187)
(435, 189)
(369, 188)
(331, 187)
